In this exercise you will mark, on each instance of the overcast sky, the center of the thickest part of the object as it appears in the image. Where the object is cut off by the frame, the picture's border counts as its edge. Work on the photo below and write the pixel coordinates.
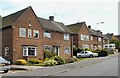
(70, 11)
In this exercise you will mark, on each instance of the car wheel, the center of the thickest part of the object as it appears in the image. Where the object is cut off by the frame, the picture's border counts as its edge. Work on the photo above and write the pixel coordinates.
(5, 71)
(91, 55)
(79, 56)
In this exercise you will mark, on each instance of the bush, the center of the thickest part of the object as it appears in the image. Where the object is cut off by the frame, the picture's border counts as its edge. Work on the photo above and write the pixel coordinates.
(59, 59)
(50, 62)
(76, 50)
(21, 62)
(48, 54)
(34, 61)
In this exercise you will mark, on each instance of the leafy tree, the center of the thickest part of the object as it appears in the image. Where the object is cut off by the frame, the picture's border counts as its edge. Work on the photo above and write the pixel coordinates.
(116, 42)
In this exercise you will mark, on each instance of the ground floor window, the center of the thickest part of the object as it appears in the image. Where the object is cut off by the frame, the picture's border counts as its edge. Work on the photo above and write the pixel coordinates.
(48, 47)
(29, 51)
(67, 50)
(84, 46)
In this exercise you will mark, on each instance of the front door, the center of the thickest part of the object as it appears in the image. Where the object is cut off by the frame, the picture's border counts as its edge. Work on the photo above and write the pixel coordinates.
(57, 50)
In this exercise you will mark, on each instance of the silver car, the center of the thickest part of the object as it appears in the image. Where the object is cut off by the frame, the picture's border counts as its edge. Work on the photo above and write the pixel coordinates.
(86, 54)
(4, 65)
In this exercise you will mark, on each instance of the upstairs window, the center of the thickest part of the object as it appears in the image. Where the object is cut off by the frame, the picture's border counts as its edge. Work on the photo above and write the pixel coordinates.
(99, 38)
(29, 33)
(66, 37)
(91, 37)
(82, 37)
(22, 32)
(47, 34)
(36, 34)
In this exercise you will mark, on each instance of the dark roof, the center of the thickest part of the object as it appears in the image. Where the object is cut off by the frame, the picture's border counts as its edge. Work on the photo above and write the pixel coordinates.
(10, 19)
(109, 35)
(53, 25)
(106, 37)
(95, 32)
(75, 28)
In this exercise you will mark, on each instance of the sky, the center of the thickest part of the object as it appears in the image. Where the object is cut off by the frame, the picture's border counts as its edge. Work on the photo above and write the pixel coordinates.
(71, 11)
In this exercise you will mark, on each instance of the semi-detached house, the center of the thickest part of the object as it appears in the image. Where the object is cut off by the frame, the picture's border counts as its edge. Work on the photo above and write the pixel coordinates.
(26, 36)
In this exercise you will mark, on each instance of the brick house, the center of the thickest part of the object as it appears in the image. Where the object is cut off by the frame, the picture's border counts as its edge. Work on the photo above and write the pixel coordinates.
(22, 36)
(106, 39)
(57, 37)
(81, 37)
(27, 36)
(96, 39)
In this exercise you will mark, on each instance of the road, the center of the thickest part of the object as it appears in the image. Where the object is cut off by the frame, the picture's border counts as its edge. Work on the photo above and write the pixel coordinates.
(104, 66)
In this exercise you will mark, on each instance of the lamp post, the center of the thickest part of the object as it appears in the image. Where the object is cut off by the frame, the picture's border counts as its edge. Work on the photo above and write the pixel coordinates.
(98, 35)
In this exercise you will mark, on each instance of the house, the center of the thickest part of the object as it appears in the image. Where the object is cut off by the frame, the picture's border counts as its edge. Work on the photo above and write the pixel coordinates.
(81, 37)
(22, 36)
(106, 39)
(96, 39)
(25, 36)
(57, 37)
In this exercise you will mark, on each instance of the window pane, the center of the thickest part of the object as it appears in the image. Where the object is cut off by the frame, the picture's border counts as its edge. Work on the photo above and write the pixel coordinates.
(22, 32)
(66, 36)
(36, 34)
(47, 34)
(29, 33)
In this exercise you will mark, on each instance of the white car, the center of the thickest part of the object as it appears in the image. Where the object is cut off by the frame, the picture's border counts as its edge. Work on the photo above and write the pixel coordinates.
(86, 54)
(4, 65)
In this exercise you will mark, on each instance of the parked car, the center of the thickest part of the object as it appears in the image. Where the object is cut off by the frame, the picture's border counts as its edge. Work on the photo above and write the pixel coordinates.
(86, 54)
(4, 65)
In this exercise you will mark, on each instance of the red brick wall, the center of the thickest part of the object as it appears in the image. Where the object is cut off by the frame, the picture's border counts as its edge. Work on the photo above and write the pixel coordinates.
(83, 30)
(7, 41)
(23, 21)
(57, 39)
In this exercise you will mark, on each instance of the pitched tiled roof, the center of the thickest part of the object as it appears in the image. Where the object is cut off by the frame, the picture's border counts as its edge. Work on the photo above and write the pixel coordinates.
(109, 35)
(95, 32)
(75, 28)
(106, 37)
(53, 25)
(10, 19)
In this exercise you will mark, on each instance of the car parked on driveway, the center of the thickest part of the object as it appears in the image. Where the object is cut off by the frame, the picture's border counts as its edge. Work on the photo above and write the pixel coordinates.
(86, 54)
(4, 65)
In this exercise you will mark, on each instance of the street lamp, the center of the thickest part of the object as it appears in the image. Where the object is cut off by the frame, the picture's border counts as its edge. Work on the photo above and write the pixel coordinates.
(98, 35)
(100, 23)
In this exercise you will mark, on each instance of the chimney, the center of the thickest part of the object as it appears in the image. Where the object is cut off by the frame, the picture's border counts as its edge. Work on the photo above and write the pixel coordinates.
(89, 26)
(51, 18)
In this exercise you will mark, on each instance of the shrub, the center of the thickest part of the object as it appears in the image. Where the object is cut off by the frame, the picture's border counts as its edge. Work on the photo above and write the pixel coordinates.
(103, 53)
(59, 59)
(76, 50)
(48, 54)
(34, 61)
(21, 62)
(50, 62)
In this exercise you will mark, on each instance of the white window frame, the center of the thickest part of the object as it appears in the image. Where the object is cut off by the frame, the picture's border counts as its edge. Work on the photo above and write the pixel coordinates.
(48, 46)
(25, 48)
(34, 34)
(82, 37)
(47, 34)
(99, 39)
(66, 37)
(67, 52)
(29, 33)
(91, 37)
(22, 32)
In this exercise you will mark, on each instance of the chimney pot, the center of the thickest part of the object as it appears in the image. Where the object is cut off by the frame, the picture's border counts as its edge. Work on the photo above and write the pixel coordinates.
(51, 18)
(89, 27)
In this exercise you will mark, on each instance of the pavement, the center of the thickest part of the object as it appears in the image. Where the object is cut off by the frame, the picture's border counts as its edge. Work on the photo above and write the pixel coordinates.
(24, 67)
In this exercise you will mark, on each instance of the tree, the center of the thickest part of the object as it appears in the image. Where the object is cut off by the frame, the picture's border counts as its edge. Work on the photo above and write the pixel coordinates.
(116, 42)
